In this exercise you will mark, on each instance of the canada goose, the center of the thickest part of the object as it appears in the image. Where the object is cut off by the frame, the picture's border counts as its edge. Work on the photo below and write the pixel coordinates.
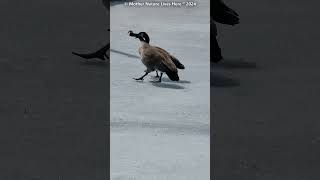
(217, 56)
(155, 58)
(220, 13)
(106, 4)
(101, 53)
(176, 62)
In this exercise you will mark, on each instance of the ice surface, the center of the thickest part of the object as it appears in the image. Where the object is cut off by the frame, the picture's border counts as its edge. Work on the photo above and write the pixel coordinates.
(160, 131)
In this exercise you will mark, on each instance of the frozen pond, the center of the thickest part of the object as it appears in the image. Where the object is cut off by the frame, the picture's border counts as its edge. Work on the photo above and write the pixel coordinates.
(160, 131)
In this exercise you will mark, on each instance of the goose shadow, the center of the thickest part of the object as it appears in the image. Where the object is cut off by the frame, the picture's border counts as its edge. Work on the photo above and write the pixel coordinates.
(219, 80)
(125, 54)
(240, 63)
(167, 85)
(165, 79)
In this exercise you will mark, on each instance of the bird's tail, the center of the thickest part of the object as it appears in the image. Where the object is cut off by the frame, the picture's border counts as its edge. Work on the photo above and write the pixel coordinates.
(176, 62)
(173, 76)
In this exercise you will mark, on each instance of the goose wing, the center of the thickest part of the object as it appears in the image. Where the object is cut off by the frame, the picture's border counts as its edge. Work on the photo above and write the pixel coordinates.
(158, 60)
(165, 59)
(176, 62)
(164, 51)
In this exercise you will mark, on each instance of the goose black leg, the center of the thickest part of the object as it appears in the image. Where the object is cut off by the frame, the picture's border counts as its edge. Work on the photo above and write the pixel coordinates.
(106, 56)
(160, 76)
(159, 80)
(157, 75)
(141, 78)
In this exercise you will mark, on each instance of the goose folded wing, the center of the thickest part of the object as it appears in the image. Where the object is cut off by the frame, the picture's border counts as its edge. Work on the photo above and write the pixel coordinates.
(161, 50)
(167, 62)
(177, 63)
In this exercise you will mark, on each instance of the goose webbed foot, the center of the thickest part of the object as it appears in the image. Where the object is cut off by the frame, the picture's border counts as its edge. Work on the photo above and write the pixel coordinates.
(141, 78)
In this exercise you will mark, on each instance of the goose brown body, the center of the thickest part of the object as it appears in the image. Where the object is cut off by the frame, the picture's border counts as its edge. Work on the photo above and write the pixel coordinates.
(155, 58)
(173, 59)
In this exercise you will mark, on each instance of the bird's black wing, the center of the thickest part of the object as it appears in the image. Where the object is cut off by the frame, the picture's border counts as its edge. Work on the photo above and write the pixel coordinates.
(176, 62)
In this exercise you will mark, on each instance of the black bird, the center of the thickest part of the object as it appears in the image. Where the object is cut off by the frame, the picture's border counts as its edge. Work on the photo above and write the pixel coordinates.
(223, 14)
(99, 54)
(106, 4)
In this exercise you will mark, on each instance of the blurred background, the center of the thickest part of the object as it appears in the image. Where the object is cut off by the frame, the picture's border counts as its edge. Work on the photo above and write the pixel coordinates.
(264, 99)
(54, 107)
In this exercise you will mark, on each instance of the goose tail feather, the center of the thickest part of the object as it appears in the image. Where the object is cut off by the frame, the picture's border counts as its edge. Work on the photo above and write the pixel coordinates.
(178, 64)
(173, 76)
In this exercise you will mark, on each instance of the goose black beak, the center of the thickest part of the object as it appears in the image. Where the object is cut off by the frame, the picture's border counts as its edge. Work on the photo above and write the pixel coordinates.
(133, 34)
